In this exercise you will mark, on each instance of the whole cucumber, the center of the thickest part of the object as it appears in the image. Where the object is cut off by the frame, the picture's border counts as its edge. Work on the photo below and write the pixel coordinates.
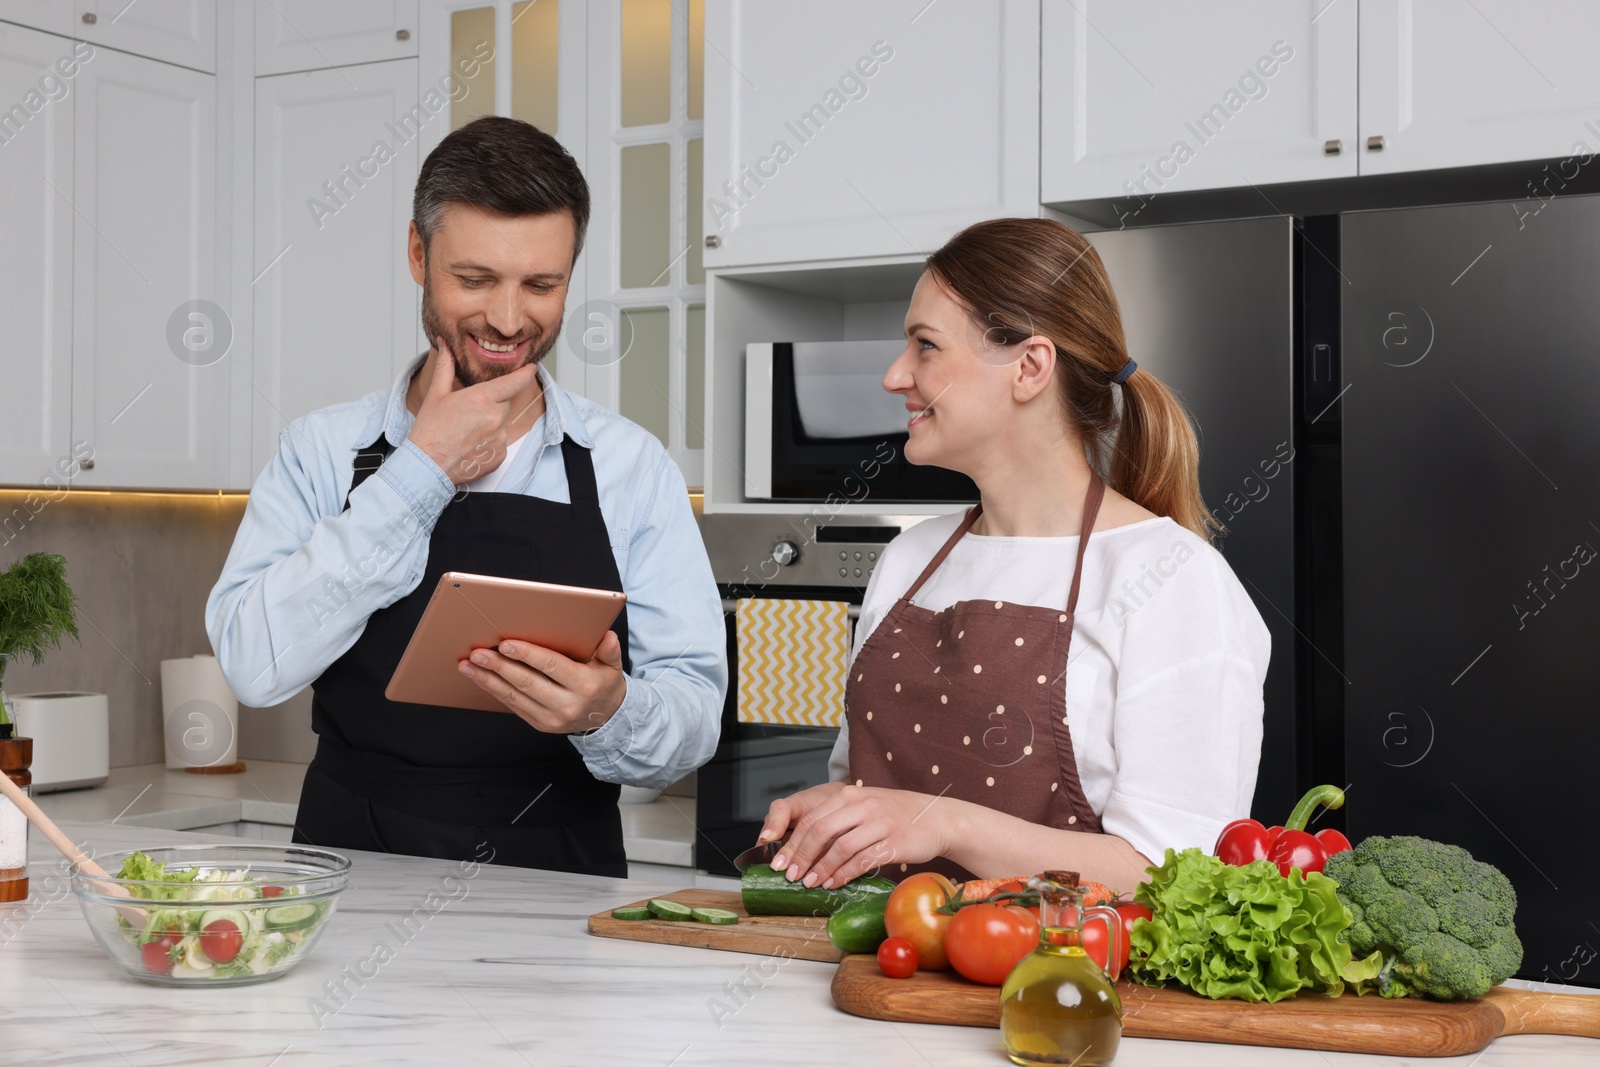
(859, 925)
(767, 892)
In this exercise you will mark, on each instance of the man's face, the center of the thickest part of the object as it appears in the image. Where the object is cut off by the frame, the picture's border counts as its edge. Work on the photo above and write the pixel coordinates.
(494, 286)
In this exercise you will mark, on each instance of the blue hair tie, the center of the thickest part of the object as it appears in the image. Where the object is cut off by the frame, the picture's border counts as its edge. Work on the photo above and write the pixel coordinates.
(1125, 373)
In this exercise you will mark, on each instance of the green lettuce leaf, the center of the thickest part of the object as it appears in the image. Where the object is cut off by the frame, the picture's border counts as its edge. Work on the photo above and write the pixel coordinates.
(1243, 933)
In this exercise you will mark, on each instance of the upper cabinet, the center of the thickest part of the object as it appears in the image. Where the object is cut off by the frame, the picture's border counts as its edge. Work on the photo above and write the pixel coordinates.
(1450, 84)
(840, 129)
(1141, 97)
(183, 32)
(315, 34)
(335, 308)
(36, 269)
(149, 342)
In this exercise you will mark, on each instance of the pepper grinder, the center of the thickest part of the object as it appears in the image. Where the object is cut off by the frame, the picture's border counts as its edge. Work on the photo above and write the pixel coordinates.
(16, 759)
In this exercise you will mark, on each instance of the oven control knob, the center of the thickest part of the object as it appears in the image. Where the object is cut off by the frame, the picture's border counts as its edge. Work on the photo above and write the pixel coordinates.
(784, 553)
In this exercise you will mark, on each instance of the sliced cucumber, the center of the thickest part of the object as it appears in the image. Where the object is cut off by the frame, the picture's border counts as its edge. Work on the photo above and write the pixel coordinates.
(715, 916)
(292, 916)
(662, 908)
(632, 912)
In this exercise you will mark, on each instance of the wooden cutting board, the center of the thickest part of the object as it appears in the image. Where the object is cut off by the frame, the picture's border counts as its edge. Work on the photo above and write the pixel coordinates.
(791, 936)
(1327, 1024)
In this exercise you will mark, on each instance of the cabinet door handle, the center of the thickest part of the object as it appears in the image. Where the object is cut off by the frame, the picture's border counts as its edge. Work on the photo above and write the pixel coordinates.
(402, 35)
(1375, 143)
(1333, 147)
(87, 464)
(713, 241)
(90, 18)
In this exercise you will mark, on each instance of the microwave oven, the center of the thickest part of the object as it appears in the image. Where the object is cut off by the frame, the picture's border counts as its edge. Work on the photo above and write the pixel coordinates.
(820, 426)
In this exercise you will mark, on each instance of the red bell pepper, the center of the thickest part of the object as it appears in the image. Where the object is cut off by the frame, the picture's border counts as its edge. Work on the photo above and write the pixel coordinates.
(1244, 841)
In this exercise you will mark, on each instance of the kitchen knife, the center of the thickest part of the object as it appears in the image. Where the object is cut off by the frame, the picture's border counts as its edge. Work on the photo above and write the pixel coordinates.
(762, 853)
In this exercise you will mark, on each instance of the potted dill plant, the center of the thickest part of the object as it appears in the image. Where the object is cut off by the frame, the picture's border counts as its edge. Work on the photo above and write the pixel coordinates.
(37, 609)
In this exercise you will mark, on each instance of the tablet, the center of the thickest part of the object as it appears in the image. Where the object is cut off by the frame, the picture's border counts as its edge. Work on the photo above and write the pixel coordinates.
(469, 611)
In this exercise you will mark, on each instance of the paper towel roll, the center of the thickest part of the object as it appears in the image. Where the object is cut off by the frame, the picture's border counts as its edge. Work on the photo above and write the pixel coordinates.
(200, 711)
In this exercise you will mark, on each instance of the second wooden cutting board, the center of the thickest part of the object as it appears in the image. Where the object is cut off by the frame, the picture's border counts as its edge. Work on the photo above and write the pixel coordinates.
(791, 936)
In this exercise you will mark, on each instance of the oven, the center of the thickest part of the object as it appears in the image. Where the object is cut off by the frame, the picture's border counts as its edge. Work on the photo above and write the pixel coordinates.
(800, 556)
(819, 426)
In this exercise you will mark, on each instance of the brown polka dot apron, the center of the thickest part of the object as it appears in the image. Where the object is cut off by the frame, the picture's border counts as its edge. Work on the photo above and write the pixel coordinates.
(968, 702)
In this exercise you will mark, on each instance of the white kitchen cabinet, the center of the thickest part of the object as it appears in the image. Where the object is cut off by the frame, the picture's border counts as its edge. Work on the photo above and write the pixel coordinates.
(1447, 84)
(150, 374)
(51, 16)
(839, 129)
(1141, 97)
(335, 307)
(296, 35)
(174, 31)
(36, 267)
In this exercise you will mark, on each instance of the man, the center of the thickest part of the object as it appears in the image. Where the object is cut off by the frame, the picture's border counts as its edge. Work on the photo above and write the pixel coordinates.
(477, 461)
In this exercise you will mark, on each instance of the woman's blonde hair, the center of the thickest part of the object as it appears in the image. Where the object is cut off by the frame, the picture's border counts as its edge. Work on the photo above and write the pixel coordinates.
(1024, 277)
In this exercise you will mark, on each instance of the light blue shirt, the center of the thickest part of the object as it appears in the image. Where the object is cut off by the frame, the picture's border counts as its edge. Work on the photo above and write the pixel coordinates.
(304, 574)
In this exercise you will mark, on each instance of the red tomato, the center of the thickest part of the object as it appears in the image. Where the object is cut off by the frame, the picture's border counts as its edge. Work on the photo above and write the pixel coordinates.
(985, 941)
(220, 940)
(270, 891)
(157, 955)
(913, 913)
(1095, 935)
(897, 958)
(1131, 913)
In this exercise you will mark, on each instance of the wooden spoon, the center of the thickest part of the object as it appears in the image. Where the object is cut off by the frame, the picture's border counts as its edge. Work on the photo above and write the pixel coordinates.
(58, 838)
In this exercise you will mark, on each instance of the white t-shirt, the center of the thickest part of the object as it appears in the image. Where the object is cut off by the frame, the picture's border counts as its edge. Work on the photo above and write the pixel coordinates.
(1164, 674)
(487, 483)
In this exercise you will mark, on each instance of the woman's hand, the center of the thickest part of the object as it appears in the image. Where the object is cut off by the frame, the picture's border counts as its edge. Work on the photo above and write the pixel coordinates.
(843, 831)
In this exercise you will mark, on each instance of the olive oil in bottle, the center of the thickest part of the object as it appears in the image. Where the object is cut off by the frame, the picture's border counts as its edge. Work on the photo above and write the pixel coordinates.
(1057, 1006)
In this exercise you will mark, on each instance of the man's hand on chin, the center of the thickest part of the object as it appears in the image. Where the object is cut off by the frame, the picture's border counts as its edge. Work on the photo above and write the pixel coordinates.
(553, 693)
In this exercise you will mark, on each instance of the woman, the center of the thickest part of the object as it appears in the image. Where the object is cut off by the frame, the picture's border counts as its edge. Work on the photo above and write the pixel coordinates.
(972, 736)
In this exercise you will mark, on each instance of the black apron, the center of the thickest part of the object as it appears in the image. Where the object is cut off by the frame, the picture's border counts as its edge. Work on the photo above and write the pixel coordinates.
(450, 783)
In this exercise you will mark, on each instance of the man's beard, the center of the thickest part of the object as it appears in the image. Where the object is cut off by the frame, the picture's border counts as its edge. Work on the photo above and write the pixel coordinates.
(468, 373)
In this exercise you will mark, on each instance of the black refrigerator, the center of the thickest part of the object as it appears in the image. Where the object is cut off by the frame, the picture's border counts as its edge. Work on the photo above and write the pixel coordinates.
(1399, 415)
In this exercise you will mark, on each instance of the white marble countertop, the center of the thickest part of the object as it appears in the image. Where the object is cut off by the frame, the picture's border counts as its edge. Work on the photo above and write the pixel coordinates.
(150, 795)
(503, 974)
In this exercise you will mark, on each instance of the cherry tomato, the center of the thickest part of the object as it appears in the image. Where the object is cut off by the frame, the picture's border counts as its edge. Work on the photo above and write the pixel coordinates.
(1095, 936)
(897, 958)
(913, 913)
(985, 941)
(220, 940)
(270, 891)
(157, 955)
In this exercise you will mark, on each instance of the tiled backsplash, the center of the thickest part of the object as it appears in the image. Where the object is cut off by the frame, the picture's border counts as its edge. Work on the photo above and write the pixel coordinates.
(142, 565)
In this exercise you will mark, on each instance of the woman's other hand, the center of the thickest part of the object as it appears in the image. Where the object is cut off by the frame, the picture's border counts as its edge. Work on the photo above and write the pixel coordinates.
(842, 831)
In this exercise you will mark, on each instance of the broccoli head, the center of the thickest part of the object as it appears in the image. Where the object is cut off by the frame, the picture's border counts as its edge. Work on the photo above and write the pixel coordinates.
(1443, 920)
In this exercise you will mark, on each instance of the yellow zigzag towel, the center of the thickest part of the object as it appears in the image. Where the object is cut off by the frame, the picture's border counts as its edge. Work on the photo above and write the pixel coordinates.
(793, 657)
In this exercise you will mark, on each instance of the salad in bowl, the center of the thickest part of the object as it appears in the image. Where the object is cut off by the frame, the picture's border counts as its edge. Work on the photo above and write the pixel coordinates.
(212, 914)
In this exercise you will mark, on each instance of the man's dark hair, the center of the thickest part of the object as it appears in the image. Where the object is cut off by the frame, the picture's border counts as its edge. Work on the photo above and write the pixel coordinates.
(506, 166)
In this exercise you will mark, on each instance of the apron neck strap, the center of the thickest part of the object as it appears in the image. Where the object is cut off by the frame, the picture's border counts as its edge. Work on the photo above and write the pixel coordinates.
(939, 556)
(1091, 510)
(581, 486)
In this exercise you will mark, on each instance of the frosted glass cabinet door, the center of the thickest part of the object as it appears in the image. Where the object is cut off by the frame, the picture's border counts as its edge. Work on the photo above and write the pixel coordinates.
(840, 129)
(36, 267)
(335, 306)
(1157, 96)
(150, 372)
(1447, 84)
(317, 34)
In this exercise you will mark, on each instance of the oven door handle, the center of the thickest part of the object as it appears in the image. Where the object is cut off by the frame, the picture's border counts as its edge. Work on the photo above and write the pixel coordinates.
(854, 610)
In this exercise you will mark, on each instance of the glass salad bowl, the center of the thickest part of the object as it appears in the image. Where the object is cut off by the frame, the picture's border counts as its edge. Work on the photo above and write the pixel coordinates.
(212, 914)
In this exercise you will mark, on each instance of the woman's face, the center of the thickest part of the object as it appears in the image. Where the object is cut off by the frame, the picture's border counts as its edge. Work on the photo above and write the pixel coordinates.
(957, 388)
